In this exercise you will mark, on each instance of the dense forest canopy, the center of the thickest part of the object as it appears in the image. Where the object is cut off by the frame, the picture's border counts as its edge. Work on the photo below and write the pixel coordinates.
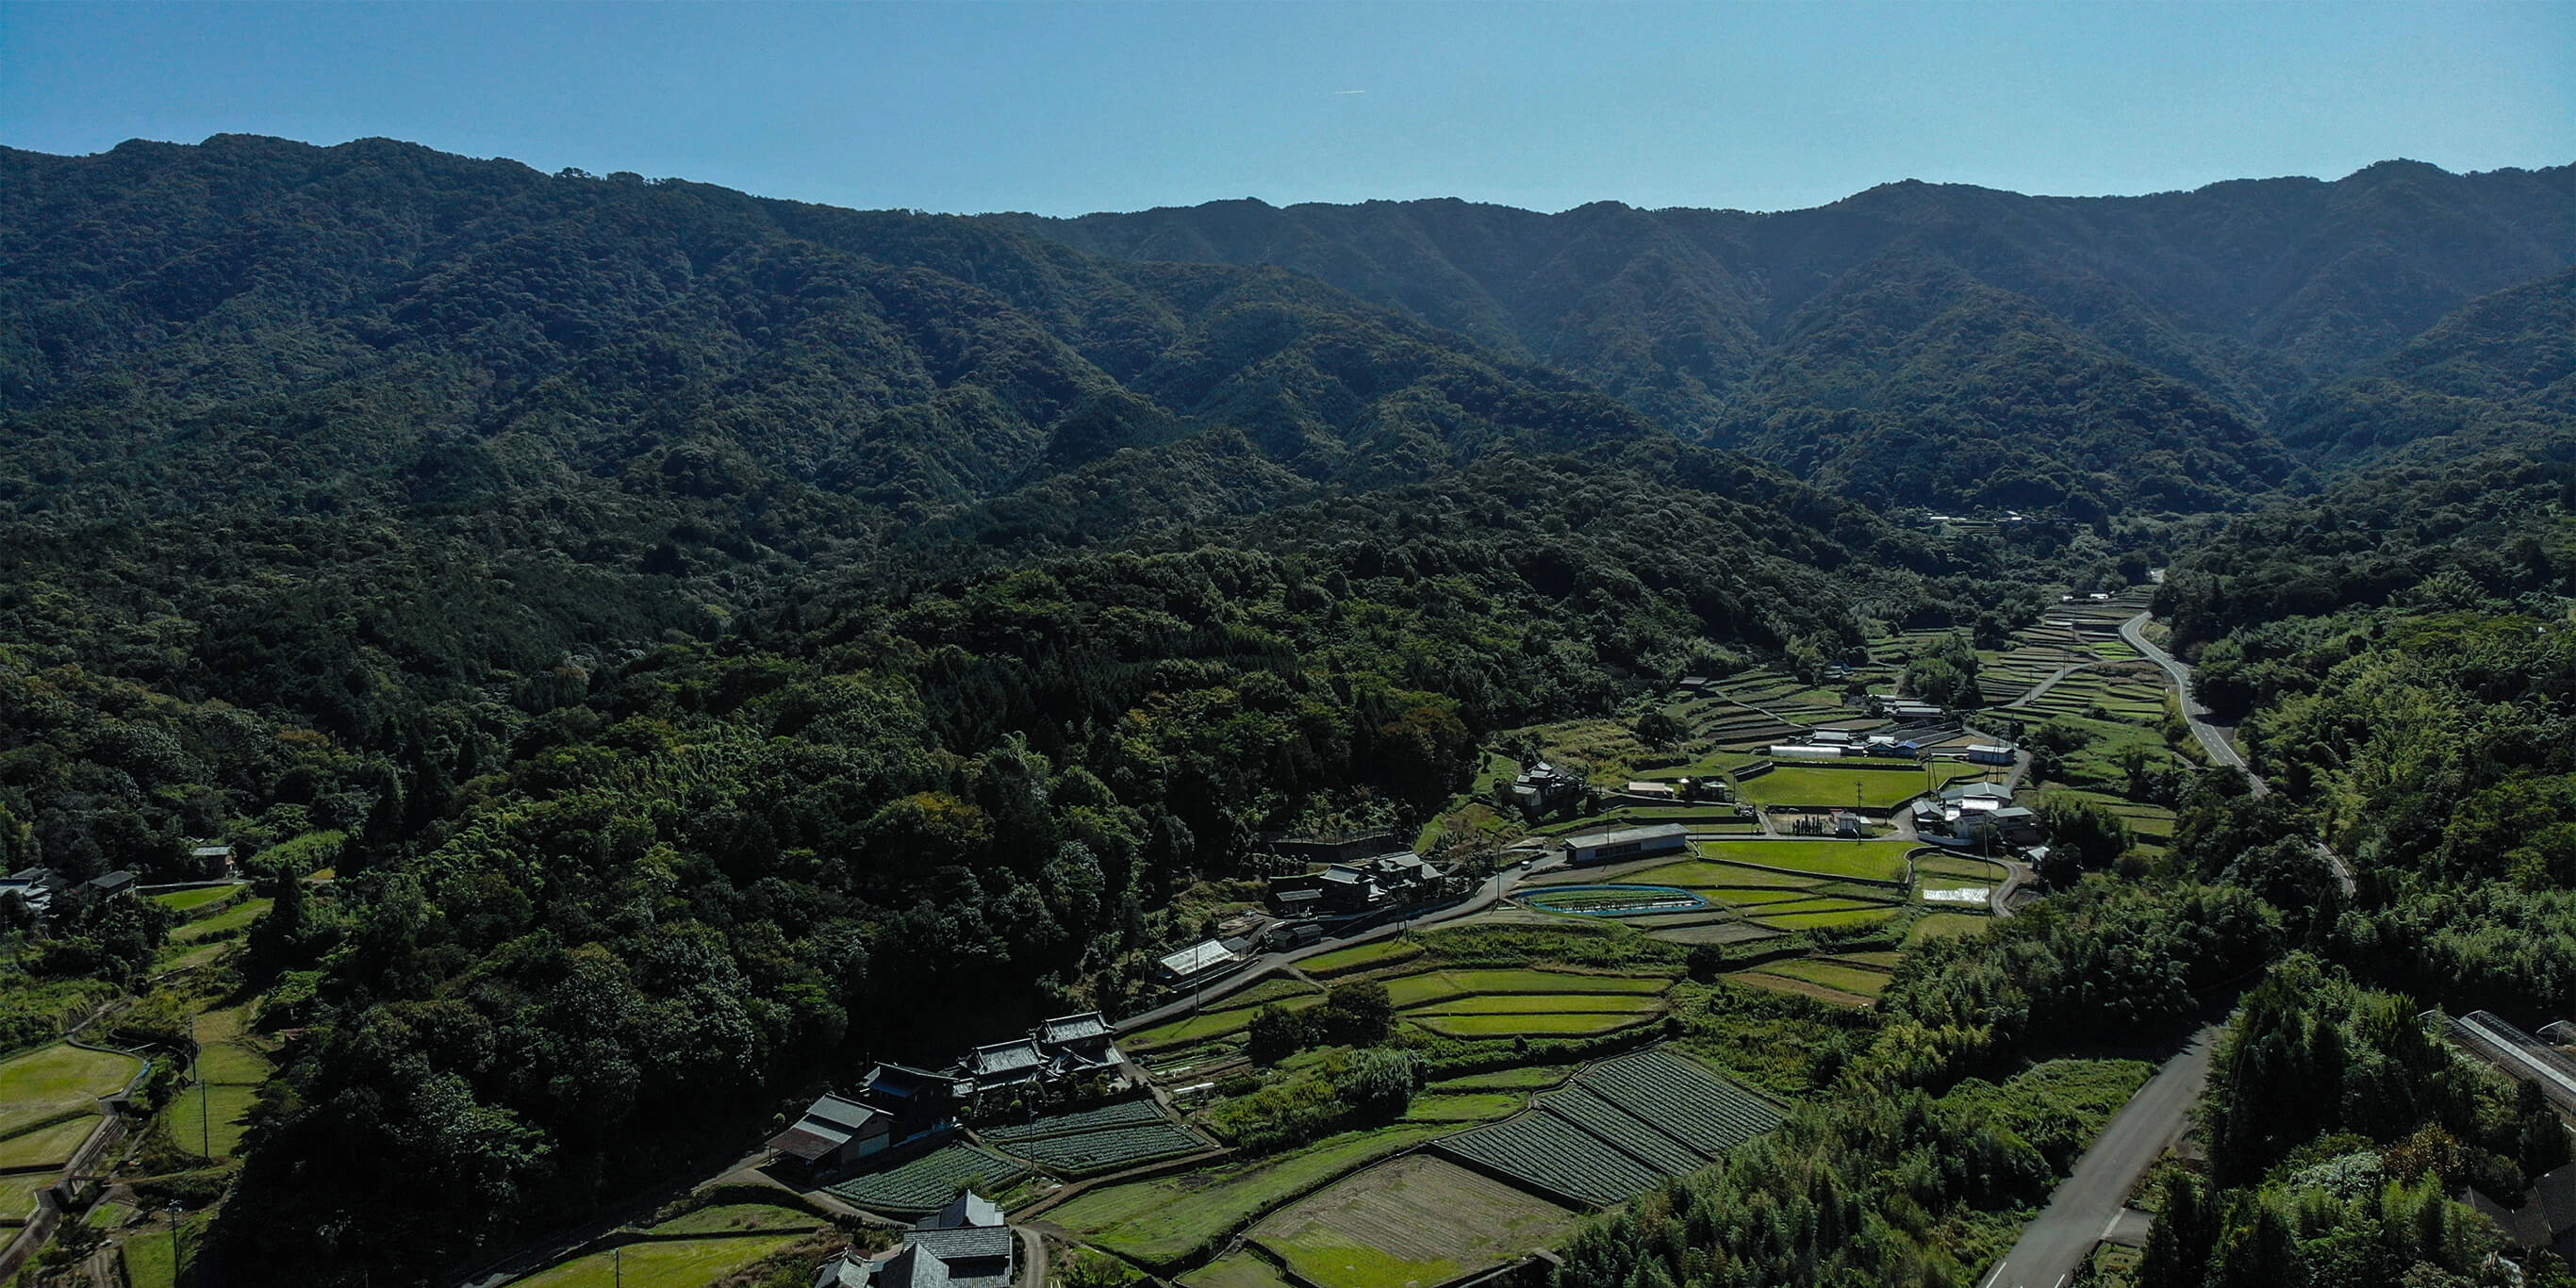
(696, 628)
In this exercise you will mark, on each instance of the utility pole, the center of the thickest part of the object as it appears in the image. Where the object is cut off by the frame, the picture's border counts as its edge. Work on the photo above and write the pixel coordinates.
(205, 1112)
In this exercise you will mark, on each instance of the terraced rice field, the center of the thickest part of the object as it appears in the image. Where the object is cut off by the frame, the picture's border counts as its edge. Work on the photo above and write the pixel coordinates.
(930, 1181)
(1343, 961)
(1620, 1127)
(49, 1082)
(1241, 1268)
(1837, 919)
(47, 1147)
(1467, 1107)
(192, 900)
(1863, 860)
(1408, 991)
(230, 921)
(1565, 1024)
(660, 1263)
(1211, 1024)
(1860, 981)
(1942, 924)
(1416, 1221)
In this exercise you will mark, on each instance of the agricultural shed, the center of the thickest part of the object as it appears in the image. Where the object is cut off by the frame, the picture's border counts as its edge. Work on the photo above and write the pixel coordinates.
(834, 1131)
(1627, 843)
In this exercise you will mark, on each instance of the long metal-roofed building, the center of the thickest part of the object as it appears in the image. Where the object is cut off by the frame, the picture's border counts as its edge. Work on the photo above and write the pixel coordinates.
(2517, 1053)
(1627, 843)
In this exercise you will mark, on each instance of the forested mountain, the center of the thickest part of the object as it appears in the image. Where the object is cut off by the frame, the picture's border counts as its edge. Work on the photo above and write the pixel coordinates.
(2501, 372)
(2195, 316)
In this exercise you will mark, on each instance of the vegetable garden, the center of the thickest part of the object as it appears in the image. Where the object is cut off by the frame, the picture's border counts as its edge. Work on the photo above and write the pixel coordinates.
(1620, 1127)
(930, 1181)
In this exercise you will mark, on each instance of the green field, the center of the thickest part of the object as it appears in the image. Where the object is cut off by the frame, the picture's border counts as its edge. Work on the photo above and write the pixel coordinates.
(1242, 1268)
(1866, 860)
(228, 1104)
(1850, 979)
(737, 1218)
(1431, 986)
(235, 918)
(1576, 1024)
(47, 1146)
(1940, 924)
(191, 900)
(1208, 1024)
(1419, 1220)
(1799, 784)
(59, 1079)
(1525, 1078)
(1542, 1004)
(1342, 961)
(1173, 1219)
(1836, 919)
(684, 1263)
(1465, 1107)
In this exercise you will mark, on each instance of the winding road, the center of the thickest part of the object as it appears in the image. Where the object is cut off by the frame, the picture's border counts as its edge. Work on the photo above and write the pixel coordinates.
(2221, 748)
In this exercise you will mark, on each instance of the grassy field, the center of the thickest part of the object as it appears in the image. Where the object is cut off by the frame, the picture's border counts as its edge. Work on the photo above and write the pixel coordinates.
(1558, 1024)
(1867, 860)
(229, 1106)
(1465, 1107)
(737, 1218)
(1342, 961)
(1850, 979)
(683, 1263)
(191, 900)
(1173, 1219)
(1242, 1268)
(1792, 784)
(1941, 924)
(1415, 1221)
(18, 1194)
(1837, 919)
(1526, 1078)
(1432, 986)
(1542, 1004)
(236, 918)
(54, 1080)
(1209, 1024)
(47, 1146)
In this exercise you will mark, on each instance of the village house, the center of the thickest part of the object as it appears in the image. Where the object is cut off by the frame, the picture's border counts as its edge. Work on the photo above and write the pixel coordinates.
(967, 1244)
(38, 886)
(213, 862)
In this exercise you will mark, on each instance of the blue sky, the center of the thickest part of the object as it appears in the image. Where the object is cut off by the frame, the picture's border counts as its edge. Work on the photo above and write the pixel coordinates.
(1067, 107)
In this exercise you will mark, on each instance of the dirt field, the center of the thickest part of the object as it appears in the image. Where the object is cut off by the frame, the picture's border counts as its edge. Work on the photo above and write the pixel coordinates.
(1412, 1222)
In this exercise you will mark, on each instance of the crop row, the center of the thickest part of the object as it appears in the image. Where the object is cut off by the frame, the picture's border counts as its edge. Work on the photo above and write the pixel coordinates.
(931, 1181)
(1555, 1156)
(1702, 1110)
(1108, 1151)
(1125, 1113)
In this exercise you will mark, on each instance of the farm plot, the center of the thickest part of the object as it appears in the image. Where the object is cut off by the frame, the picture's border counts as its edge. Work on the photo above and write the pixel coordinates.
(1859, 860)
(1212, 1024)
(1241, 1268)
(192, 900)
(1418, 1220)
(1408, 991)
(231, 921)
(1618, 1128)
(1555, 1024)
(53, 1081)
(1171, 1221)
(1359, 957)
(1126, 1113)
(1092, 1153)
(1836, 919)
(1554, 1156)
(660, 1263)
(931, 1181)
(1861, 981)
(46, 1147)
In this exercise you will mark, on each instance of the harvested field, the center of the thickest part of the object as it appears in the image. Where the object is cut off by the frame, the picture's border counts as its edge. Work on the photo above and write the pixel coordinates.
(1431, 986)
(1544, 1004)
(1554, 1025)
(1828, 920)
(1410, 1223)
(1798, 988)
(1860, 980)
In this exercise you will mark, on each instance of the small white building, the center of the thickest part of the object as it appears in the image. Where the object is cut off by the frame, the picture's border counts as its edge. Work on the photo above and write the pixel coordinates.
(1806, 751)
(1991, 753)
(1651, 791)
(1198, 961)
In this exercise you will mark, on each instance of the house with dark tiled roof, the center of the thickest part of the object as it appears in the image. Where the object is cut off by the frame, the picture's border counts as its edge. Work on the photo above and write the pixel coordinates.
(968, 1244)
(2547, 1217)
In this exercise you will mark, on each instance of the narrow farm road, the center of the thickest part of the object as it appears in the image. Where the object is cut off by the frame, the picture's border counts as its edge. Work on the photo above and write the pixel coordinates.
(2090, 1199)
(2047, 682)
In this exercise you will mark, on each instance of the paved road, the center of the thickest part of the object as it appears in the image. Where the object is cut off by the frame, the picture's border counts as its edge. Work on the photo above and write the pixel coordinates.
(2039, 690)
(1488, 893)
(2221, 748)
(2085, 1206)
